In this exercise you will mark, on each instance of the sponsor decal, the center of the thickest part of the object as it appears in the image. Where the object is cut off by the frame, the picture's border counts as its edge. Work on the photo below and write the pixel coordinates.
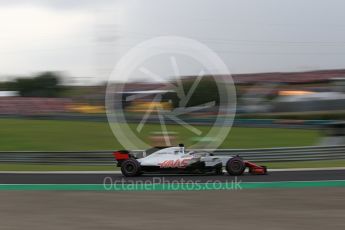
(175, 163)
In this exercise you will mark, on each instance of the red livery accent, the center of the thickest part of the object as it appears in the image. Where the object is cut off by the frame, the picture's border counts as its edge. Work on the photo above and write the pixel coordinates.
(256, 169)
(121, 155)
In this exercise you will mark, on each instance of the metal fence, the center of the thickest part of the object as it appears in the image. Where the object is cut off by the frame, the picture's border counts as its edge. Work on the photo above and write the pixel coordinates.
(105, 157)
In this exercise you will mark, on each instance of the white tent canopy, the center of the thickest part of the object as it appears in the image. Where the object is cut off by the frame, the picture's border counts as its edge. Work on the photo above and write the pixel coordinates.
(8, 93)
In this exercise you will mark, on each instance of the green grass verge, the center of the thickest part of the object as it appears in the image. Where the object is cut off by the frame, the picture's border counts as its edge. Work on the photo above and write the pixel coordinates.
(51, 135)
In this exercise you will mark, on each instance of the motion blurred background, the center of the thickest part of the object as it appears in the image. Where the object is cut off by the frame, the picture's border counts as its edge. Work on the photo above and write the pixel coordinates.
(286, 60)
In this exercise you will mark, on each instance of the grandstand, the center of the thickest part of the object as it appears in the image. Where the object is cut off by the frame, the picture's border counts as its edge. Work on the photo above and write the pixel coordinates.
(32, 106)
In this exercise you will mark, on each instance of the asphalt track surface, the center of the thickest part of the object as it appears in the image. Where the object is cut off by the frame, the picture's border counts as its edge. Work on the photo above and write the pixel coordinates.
(98, 178)
(266, 209)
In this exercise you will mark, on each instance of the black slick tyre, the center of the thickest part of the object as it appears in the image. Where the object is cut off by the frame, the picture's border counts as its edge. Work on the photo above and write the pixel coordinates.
(130, 168)
(235, 166)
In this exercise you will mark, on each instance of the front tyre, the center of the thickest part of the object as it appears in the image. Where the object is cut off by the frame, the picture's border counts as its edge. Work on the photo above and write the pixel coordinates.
(235, 166)
(130, 168)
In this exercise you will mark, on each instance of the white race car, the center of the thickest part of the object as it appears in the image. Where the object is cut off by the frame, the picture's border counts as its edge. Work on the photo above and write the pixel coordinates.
(178, 160)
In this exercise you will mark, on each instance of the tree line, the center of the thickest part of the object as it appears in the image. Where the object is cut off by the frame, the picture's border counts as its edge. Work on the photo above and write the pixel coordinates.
(45, 84)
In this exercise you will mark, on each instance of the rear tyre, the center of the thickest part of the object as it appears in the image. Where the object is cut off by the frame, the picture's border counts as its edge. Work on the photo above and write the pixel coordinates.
(130, 168)
(235, 166)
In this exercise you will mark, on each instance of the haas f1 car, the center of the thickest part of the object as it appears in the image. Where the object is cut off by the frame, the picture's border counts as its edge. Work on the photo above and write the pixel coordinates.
(178, 160)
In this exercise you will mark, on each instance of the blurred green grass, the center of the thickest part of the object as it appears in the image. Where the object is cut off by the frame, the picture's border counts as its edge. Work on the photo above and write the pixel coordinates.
(56, 135)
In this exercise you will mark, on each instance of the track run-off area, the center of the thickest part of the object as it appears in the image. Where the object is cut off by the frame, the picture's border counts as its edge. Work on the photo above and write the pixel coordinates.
(115, 181)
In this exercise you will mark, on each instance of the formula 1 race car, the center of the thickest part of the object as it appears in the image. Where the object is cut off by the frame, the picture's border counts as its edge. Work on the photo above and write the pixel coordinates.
(177, 160)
